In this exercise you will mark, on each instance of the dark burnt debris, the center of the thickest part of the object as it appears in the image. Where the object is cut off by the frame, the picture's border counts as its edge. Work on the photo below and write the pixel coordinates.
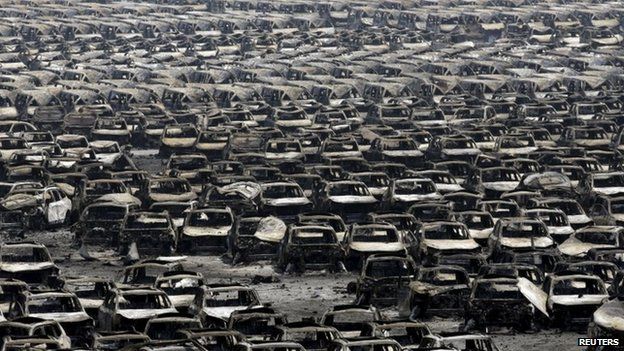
(455, 160)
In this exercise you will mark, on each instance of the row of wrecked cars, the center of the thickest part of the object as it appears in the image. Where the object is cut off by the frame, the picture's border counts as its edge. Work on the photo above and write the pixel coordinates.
(463, 158)
(158, 305)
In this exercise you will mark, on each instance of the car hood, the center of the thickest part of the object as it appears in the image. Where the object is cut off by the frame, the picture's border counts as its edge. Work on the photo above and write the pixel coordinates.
(610, 315)
(347, 199)
(62, 317)
(579, 218)
(206, 231)
(575, 247)
(91, 303)
(565, 230)
(609, 190)
(501, 186)
(448, 187)
(283, 155)
(399, 153)
(574, 300)
(287, 201)
(223, 312)
(111, 131)
(144, 313)
(541, 242)
(174, 197)
(271, 229)
(120, 199)
(480, 233)
(468, 151)
(417, 197)
(519, 150)
(295, 123)
(430, 289)
(377, 247)
(211, 146)
(178, 142)
(465, 244)
(24, 267)
(108, 158)
(181, 300)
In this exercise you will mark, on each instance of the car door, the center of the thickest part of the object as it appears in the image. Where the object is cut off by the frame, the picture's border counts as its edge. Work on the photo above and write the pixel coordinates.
(411, 243)
(105, 312)
(600, 214)
(493, 238)
(58, 206)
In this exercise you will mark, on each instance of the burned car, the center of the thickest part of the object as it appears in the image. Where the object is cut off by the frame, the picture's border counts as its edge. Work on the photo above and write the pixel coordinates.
(443, 239)
(256, 323)
(146, 272)
(100, 223)
(206, 229)
(29, 262)
(168, 326)
(103, 190)
(256, 238)
(366, 239)
(177, 138)
(605, 321)
(310, 246)
(382, 278)
(495, 302)
(348, 198)
(128, 308)
(9, 289)
(519, 234)
(573, 210)
(567, 299)
(117, 340)
(406, 333)
(241, 197)
(63, 307)
(152, 233)
(214, 303)
(593, 237)
(402, 193)
(180, 287)
(458, 341)
(208, 337)
(556, 221)
(165, 189)
(437, 291)
(350, 319)
(90, 292)
(311, 335)
(34, 328)
(283, 199)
